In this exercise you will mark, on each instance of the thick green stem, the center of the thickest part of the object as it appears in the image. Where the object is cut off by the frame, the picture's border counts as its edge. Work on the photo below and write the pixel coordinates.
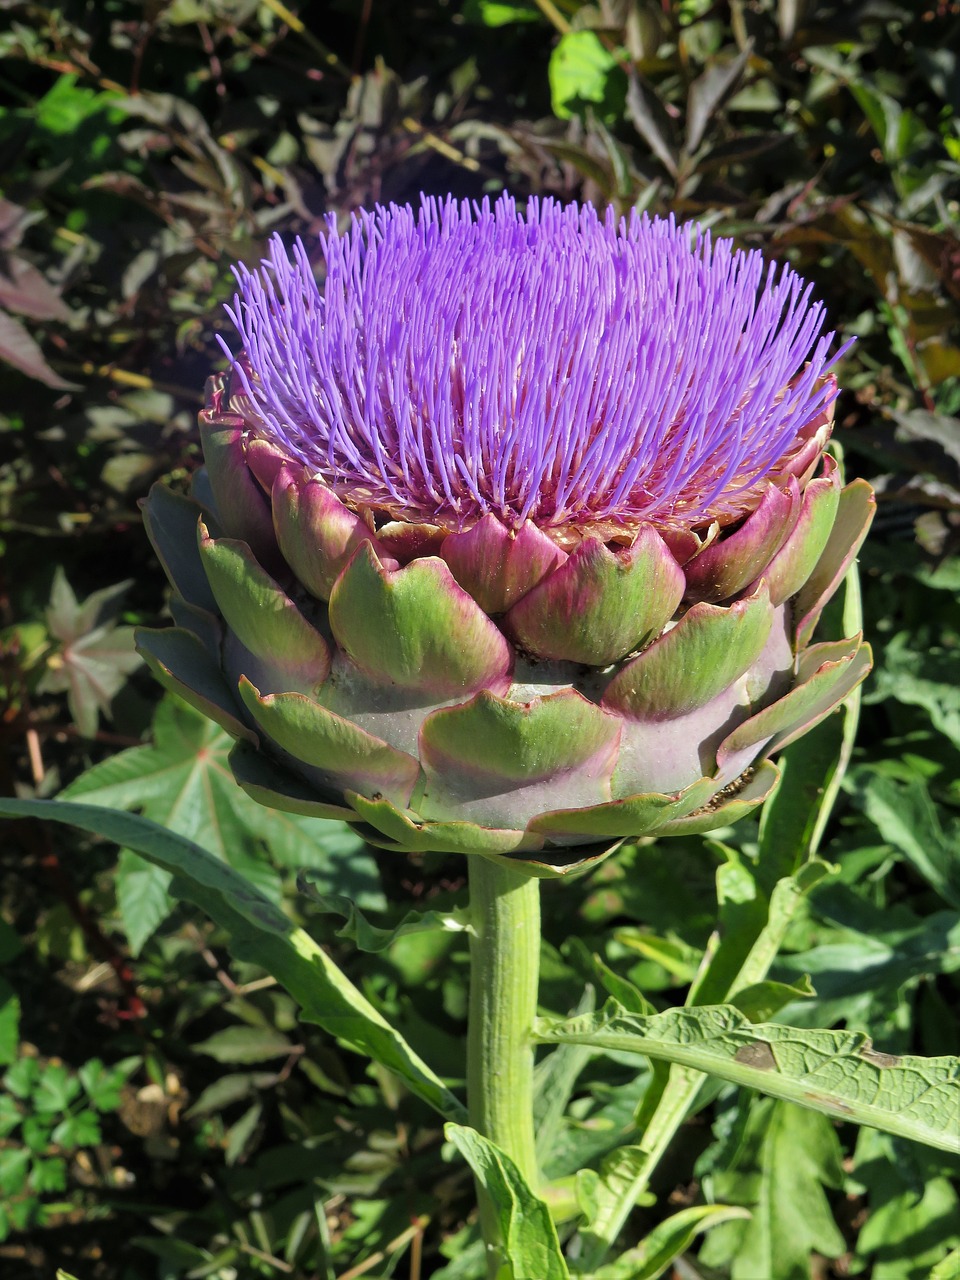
(504, 972)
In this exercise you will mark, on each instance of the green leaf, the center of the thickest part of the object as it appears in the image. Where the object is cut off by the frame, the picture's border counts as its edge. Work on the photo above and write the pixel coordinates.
(49, 1175)
(370, 937)
(761, 1000)
(581, 71)
(501, 13)
(56, 1089)
(679, 959)
(14, 1165)
(914, 1211)
(861, 977)
(791, 1218)
(104, 1085)
(9, 1024)
(836, 1072)
(37, 1132)
(22, 1077)
(948, 1268)
(143, 897)
(245, 1044)
(667, 1241)
(260, 933)
(81, 1130)
(10, 1115)
(925, 677)
(530, 1245)
(906, 817)
(183, 782)
(553, 1083)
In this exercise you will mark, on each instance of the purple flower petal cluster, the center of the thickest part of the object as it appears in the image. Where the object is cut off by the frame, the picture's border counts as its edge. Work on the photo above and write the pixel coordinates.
(552, 365)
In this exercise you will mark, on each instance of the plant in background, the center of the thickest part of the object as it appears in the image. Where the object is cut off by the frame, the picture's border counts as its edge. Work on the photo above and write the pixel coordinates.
(512, 541)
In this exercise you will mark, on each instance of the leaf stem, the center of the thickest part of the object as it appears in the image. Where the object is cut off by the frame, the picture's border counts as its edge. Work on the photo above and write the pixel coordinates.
(504, 974)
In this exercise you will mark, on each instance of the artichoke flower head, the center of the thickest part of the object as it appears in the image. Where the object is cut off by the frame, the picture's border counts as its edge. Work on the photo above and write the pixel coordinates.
(513, 536)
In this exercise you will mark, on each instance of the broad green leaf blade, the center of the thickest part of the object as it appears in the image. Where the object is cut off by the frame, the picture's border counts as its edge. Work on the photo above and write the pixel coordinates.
(530, 1242)
(836, 1072)
(259, 933)
(667, 1241)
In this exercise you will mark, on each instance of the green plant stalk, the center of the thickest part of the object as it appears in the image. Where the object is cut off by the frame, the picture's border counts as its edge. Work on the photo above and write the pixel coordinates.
(504, 973)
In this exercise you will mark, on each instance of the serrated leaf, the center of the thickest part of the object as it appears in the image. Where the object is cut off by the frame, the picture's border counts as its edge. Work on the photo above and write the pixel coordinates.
(183, 781)
(10, 1115)
(259, 933)
(836, 1072)
(22, 1077)
(81, 1130)
(531, 1250)
(142, 898)
(104, 1085)
(56, 1088)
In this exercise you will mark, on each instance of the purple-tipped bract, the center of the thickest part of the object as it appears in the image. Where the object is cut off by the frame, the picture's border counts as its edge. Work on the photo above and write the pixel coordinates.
(551, 365)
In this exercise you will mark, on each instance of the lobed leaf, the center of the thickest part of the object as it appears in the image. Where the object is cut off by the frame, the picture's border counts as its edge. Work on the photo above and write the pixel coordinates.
(836, 1072)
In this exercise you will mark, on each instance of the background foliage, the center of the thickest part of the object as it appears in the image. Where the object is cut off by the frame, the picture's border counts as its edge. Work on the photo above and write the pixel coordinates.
(160, 1093)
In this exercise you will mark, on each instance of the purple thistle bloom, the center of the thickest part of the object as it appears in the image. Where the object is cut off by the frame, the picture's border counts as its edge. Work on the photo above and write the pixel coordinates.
(555, 366)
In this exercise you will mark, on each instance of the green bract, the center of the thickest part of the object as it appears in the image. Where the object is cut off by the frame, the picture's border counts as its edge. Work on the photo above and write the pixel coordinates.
(490, 691)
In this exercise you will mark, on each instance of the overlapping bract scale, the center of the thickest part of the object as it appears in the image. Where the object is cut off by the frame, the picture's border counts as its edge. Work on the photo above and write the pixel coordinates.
(486, 690)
